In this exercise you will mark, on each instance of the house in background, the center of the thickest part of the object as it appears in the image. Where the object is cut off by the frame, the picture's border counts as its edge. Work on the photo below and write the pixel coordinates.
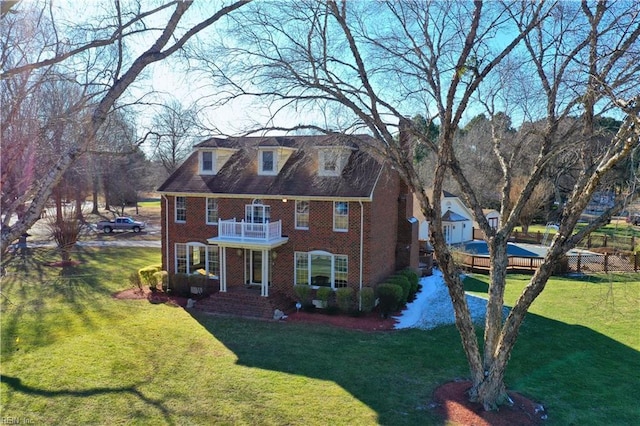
(271, 212)
(457, 220)
(493, 217)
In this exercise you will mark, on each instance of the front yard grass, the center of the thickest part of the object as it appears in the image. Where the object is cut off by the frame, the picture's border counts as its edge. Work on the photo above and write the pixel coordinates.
(72, 353)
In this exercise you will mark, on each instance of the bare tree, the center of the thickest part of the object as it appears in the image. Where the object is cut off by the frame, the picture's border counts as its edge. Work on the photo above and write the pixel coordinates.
(377, 62)
(534, 205)
(107, 57)
(125, 177)
(174, 128)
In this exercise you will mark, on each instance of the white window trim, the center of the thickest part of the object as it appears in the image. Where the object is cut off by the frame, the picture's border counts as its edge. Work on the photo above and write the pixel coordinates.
(175, 209)
(296, 214)
(257, 206)
(213, 170)
(186, 246)
(334, 217)
(206, 211)
(322, 161)
(261, 171)
(332, 279)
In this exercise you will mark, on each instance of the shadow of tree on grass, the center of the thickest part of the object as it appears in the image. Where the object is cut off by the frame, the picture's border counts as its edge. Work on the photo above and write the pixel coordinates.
(16, 385)
(565, 367)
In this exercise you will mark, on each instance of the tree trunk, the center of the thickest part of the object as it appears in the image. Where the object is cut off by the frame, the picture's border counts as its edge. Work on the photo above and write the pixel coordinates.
(493, 319)
(58, 201)
(79, 202)
(491, 392)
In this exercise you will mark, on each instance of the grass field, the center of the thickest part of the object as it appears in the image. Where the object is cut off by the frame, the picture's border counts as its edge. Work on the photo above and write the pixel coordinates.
(615, 228)
(71, 353)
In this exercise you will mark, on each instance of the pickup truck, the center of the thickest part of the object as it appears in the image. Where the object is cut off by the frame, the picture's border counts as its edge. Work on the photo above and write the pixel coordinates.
(120, 223)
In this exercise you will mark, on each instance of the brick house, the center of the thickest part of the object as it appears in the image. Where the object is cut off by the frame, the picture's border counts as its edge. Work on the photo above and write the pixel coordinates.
(271, 212)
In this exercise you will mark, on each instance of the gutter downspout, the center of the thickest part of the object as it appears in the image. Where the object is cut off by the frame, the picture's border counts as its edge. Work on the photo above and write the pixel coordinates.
(361, 252)
(166, 230)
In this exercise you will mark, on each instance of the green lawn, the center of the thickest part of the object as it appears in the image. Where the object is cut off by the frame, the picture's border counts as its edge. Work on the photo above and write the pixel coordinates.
(614, 229)
(71, 353)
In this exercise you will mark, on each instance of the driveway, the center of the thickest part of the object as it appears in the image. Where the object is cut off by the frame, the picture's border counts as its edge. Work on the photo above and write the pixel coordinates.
(91, 237)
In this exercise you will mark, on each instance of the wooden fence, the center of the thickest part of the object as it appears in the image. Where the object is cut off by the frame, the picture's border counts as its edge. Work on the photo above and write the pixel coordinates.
(573, 263)
(594, 240)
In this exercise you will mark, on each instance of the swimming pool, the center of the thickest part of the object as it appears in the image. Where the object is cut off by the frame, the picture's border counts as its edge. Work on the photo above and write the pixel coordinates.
(479, 247)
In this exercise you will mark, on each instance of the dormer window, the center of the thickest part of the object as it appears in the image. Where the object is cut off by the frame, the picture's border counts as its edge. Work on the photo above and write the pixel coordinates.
(330, 162)
(267, 161)
(207, 163)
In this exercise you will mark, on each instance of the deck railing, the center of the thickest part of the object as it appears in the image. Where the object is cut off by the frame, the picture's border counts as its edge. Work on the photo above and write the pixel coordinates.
(572, 263)
(242, 230)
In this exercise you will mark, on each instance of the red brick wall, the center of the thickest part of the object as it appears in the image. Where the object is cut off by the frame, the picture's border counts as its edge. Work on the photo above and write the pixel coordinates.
(380, 248)
(380, 237)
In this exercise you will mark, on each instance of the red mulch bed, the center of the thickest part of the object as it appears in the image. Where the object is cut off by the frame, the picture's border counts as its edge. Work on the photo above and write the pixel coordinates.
(367, 322)
(156, 297)
(452, 403)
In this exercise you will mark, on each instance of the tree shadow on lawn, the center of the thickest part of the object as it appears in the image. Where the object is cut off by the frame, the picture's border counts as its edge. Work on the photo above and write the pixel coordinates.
(580, 376)
(38, 291)
(17, 386)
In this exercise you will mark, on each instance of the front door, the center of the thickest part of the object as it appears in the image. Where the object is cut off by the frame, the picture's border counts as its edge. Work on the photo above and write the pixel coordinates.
(447, 233)
(255, 266)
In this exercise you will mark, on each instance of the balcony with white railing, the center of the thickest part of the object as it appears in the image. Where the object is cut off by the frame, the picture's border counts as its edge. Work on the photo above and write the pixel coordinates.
(243, 234)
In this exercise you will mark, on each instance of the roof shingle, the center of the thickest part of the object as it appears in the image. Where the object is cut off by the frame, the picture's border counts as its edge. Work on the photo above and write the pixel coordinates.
(298, 176)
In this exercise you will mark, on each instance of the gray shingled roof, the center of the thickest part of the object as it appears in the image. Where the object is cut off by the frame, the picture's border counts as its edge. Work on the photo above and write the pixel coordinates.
(298, 177)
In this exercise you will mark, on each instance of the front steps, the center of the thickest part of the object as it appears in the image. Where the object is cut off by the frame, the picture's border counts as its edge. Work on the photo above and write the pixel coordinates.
(245, 302)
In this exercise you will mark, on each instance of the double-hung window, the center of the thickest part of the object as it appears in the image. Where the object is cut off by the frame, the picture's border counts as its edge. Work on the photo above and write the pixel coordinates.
(302, 214)
(329, 162)
(207, 162)
(340, 271)
(181, 209)
(341, 216)
(302, 268)
(267, 160)
(212, 211)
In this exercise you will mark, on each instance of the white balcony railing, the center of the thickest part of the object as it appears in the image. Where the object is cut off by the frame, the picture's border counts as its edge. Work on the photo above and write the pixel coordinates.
(242, 230)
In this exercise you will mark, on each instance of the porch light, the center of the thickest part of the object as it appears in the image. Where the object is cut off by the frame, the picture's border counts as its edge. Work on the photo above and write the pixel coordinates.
(239, 252)
(274, 255)
(284, 200)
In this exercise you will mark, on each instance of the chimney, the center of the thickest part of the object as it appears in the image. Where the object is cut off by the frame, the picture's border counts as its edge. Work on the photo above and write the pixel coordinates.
(404, 136)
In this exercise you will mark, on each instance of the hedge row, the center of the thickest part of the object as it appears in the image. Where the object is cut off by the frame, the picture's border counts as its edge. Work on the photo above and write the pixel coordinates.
(343, 299)
(396, 291)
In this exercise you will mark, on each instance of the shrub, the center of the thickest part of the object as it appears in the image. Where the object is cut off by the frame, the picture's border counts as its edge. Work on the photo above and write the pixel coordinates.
(404, 284)
(389, 296)
(65, 231)
(161, 277)
(135, 281)
(181, 284)
(367, 299)
(344, 298)
(146, 274)
(323, 294)
(332, 310)
(414, 280)
(201, 282)
(303, 291)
